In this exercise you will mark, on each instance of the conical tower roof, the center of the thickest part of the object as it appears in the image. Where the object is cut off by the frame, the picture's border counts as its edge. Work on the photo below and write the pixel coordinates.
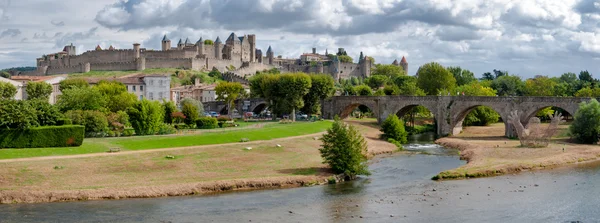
(403, 61)
(180, 42)
(165, 38)
(218, 40)
(111, 48)
(395, 62)
(98, 47)
(199, 41)
(269, 50)
(232, 37)
(187, 41)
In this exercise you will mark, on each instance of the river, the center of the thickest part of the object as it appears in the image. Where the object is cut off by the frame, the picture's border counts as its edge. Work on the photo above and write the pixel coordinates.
(399, 190)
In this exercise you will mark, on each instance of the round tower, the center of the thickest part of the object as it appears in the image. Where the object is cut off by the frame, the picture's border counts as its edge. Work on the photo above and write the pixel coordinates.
(136, 50)
(270, 55)
(218, 48)
(404, 64)
(166, 43)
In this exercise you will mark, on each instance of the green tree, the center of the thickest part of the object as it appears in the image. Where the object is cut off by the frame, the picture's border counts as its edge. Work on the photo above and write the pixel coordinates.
(508, 85)
(215, 73)
(72, 82)
(389, 70)
(208, 42)
(462, 76)
(407, 86)
(191, 113)
(363, 90)
(376, 81)
(168, 107)
(228, 92)
(115, 95)
(38, 90)
(585, 76)
(46, 113)
(17, 114)
(4, 74)
(292, 88)
(84, 98)
(433, 78)
(586, 126)
(391, 89)
(7, 90)
(145, 117)
(345, 59)
(393, 128)
(540, 86)
(322, 87)
(344, 150)
(572, 83)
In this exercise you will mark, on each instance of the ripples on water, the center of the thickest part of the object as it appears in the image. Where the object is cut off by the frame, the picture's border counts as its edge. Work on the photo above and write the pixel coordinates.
(399, 190)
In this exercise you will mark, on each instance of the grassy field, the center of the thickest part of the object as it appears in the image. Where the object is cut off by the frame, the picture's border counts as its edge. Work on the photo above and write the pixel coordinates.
(101, 145)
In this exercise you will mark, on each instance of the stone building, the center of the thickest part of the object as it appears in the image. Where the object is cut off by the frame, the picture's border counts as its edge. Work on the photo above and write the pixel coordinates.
(402, 63)
(150, 86)
(19, 85)
(52, 80)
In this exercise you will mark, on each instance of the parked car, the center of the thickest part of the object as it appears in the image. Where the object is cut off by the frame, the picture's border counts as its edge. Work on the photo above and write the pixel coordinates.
(301, 116)
(207, 114)
(214, 114)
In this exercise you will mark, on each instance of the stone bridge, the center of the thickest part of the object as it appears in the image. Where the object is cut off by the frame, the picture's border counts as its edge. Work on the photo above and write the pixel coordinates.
(255, 105)
(449, 111)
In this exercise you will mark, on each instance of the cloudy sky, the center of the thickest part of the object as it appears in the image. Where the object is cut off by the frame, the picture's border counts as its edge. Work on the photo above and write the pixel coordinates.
(525, 37)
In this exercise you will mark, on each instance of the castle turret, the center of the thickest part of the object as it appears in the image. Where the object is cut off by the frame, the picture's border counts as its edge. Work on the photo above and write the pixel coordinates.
(166, 43)
(320, 67)
(404, 64)
(361, 57)
(336, 68)
(270, 55)
(98, 48)
(218, 48)
(71, 50)
(259, 56)
(187, 42)
(200, 47)
(180, 45)
(365, 67)
(136, 50)
(252, 41)
(326, 53)
(395, 63)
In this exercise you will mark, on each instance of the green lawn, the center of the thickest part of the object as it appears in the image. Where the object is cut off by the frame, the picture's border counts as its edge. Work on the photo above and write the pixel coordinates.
(100, 145)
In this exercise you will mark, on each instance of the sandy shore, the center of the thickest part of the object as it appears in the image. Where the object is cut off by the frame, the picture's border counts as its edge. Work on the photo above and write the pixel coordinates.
(488, 153)
(194, 170)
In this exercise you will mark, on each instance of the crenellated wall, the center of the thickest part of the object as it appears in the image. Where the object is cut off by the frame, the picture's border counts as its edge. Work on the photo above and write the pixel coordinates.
(113, 66)
(183, 63)
(81, 68)
(170, 54)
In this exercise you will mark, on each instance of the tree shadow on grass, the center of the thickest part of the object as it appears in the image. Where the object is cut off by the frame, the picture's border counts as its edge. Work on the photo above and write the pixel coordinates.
(316, 171)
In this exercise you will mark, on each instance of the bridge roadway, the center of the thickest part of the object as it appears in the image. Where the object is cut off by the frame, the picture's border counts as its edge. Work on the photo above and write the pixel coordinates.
(449, 111)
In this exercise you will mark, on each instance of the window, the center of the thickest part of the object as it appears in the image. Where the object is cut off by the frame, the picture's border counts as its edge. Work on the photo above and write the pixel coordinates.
(151, 82)
(160, 95)
(141, 97)
(141, 87)
(151, 96)
(133, 88)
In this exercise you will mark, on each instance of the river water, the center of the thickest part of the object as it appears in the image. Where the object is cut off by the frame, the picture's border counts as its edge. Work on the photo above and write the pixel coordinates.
(399, 190)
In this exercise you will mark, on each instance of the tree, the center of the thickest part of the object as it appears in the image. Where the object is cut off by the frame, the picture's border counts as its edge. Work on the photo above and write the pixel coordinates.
(73, 82)
(17, 114)
(389, 70)
(292, 88)
(508, 85)
(433, 78)
(585, 76)
(145, 117)
(586, 126)
(38, 90)
(322, 87)
(208, 42)
(228, 92)
(345, 59)
(4, 74)
(570, 80)
(363, 90)
(7, 90)
(393, 128)
(371, 59)
(191, 113)
(215, 73)
(169, 108)
(487, 76)
(46, 113)
(588, 92)
(391, 89)
(376, 81)
(540, 86)
(407, 85)
(81, 98)
(199, 106)
(462, 76)
(115, 95)
(344, 150)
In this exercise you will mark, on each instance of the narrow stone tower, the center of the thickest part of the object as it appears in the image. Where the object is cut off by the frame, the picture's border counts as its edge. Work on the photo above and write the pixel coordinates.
(166, 43)
(252, 41)
(180, 45)
(136, 51)
(404, 64)
(200, 47)
(218, 48)
(270, 55)
(365, 67)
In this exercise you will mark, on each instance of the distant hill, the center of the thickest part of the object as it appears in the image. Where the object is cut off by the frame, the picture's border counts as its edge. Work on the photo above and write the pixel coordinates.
(19, 69)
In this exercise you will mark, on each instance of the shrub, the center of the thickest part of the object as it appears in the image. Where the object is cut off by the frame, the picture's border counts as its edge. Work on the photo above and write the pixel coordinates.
(38, 90)
(180, 126)
(64, 121)
(145, 117)
(128, 132)
(206, 123)
(177, 117)
(586, 127)
(393, 128)
(95, 122)
(46, 113)
(45, 136)
(344, 150)
(17, 114)
(169, 108)
(166, 129)
(190, 112)
(7, 90)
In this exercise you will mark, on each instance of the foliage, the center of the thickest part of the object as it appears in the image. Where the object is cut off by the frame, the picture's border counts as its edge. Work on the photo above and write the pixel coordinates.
(345, 59)
(81, 98)
(165, 129)
(407, 85)
(46, 113)
(344, 150)
(586, 126)
(190, 112)
(4, 74)
(38, 90)
(322, 87)
(391, 89)
(39, 137)
(393, 128)
(199, 106)
(585, 76)
(540, 86)
(284, 92)
(72, 82)
(177, 117)
(508, 85)
(7, 90)
(169, 108)
(379, 92)
(588, 92)
(389, 70)
(17, 114)
(118, 120)
(206, 123)
(115, 95)
(215, 73)
(228, 92)
(433, 78)
(363, 90)
(208, 42)
(95, 122)
(145, 117)
(481, 115)
(377, 81)
(462, 76)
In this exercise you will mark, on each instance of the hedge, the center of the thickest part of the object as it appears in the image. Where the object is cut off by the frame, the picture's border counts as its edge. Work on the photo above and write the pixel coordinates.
(64, 121)
(45, 136)
(206, 123)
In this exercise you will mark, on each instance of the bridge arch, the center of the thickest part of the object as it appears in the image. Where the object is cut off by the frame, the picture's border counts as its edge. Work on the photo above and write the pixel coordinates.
(460, 115)
(258, 108)
(348, 109)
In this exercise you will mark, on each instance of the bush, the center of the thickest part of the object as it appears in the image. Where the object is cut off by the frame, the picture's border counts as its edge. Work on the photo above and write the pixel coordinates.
(64, 121)
(181, 126)
(206, 123)
(45, 136)
(169, 108)
(190, 112)
(481, 116)
(166, 129)
(46, 113)
(95, 122)
(17, 114)
(393, 128)
(128, 132)
(145, 117)
(586, 127)
(344, 150)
